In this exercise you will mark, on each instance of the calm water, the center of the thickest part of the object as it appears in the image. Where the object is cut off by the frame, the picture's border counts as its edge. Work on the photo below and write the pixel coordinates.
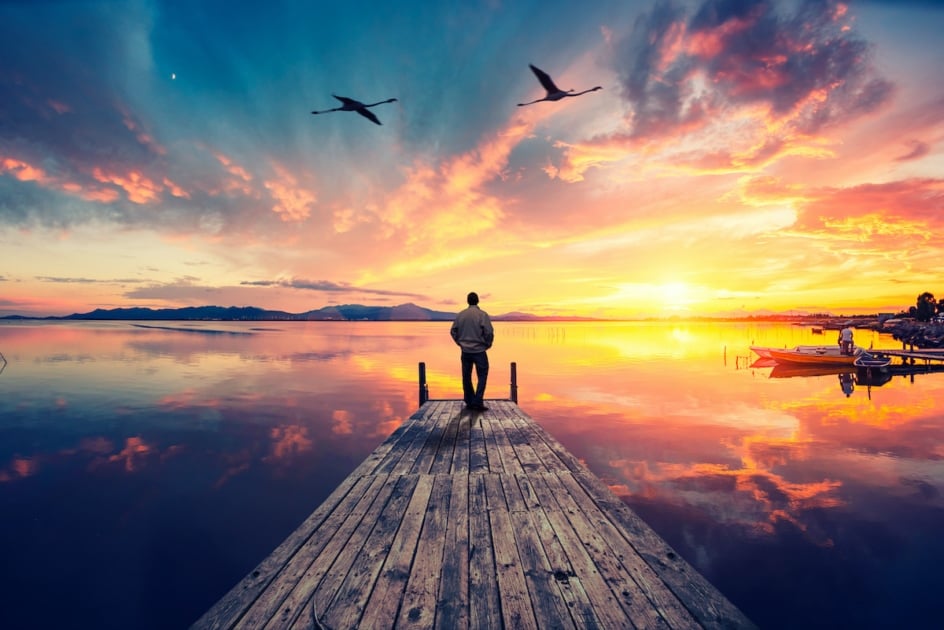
(145, 470)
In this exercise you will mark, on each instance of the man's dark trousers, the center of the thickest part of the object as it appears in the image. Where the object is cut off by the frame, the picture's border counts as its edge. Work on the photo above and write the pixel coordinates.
(474, 397)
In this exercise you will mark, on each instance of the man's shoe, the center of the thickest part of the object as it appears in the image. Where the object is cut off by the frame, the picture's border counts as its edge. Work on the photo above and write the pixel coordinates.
(480, 408)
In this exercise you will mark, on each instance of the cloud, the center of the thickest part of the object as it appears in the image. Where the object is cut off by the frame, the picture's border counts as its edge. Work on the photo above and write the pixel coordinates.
(291, 202)
(808, 69)
(327, 287)
(918, 150)
(735, 86)
(67, 280)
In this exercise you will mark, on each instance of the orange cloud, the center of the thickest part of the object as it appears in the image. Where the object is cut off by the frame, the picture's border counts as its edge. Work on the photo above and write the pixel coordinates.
(293, 203)
(139, 188)
(241, 178)
(23, 171)
(437, 213)
(176, 190)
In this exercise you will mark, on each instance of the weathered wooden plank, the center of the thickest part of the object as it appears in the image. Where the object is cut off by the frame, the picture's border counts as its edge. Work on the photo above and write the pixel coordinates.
(615, 596)
(418, 609)
(401, 459)
(453, 605)
(484, 601)
(505, 459)
(392, 443)
(517, 611)
(655, 589)
(570, 585)
(385, 598)
(423, 461)
(605, 603)
(547, 600)
(301, 573)
(702, 600)
(478, 454)
(520, 441)
(547, 449)
(231, 607)
(345, 609)
(448, 446)
(463, 451)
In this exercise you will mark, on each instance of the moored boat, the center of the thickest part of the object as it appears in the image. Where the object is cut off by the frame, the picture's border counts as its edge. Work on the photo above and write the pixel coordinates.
(872, 361)
(762, 351)
(814, 355)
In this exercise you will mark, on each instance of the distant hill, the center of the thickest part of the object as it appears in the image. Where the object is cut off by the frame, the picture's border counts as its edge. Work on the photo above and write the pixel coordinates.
(357, 312)
(346, 312)
(224, 313)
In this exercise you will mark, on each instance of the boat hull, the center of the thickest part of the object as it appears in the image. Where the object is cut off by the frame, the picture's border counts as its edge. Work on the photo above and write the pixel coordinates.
(872, 362)
(762, 352)
(812, 355)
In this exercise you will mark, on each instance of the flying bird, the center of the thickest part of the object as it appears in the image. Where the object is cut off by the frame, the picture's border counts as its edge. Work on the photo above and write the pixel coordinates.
(350, 105)
(554, 93)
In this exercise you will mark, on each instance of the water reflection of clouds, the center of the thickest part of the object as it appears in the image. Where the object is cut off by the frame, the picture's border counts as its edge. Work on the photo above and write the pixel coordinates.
(751, 498)
(288, 440)
(132, 455)
(19, 468)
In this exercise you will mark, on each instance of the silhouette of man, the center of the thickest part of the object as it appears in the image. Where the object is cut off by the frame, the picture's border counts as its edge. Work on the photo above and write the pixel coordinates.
(473, 333)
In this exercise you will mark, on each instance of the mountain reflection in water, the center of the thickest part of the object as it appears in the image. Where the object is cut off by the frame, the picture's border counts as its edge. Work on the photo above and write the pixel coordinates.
(145, 470)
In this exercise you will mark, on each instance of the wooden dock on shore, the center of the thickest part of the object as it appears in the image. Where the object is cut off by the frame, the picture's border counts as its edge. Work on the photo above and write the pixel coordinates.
(926, 355)
(475, 520)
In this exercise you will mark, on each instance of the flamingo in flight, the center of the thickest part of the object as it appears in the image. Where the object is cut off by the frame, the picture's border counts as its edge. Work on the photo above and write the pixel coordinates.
(350, 105)
(554, 93)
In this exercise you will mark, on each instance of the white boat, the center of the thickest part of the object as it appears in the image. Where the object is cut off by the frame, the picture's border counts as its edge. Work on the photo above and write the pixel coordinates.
(872, 361)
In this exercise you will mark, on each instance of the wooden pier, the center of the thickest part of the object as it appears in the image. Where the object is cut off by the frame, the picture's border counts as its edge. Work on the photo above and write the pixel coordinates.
(473, 520)
(912, 355)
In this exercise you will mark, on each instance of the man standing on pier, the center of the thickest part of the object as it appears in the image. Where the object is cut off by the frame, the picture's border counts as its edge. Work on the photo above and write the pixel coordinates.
(473, 333)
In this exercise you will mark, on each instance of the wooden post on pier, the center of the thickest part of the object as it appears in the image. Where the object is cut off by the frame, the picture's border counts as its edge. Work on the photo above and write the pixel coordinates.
(514, 383)
(424, 388)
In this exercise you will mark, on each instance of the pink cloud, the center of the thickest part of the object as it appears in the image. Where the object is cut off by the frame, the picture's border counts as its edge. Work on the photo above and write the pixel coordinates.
(240, 178)
(735, 87)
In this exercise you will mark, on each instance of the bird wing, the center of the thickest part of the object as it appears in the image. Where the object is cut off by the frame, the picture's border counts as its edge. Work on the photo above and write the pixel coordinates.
(366, 113)
(545, 79)
(350, 102)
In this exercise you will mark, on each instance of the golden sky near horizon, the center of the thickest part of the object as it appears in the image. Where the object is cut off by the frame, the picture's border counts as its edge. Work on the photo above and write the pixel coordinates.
(737, 159)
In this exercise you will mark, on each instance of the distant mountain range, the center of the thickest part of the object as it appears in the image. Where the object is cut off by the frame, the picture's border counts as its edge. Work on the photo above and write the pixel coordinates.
(347, 312)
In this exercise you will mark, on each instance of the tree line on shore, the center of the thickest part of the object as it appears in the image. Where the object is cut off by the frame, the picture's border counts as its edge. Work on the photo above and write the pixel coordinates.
(926, 307)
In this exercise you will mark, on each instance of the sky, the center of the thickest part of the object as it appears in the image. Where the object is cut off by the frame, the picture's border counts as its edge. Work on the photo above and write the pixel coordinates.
(741, 157)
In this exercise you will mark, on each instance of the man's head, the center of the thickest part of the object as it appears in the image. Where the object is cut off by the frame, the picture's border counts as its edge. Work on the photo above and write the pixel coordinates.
(473, 298)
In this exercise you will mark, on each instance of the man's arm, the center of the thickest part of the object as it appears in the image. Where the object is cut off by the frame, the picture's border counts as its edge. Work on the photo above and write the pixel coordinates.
(488, 333)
